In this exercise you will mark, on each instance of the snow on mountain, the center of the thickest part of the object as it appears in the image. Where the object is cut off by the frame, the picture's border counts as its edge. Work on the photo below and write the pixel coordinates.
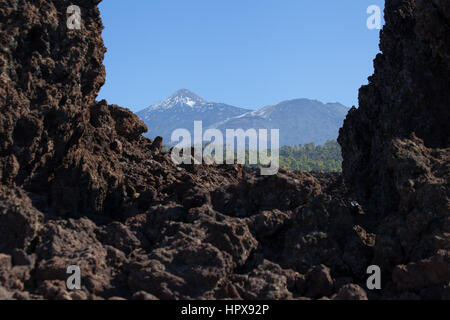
(300, 121)
(182, 97)
(180, 110)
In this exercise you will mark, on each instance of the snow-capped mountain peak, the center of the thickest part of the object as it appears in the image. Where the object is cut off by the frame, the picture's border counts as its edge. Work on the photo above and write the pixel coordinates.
(300, 121)
(180, 110)
(180, 98)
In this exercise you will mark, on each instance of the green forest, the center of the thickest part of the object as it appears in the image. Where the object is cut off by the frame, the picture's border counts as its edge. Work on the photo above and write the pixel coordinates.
(309, 157)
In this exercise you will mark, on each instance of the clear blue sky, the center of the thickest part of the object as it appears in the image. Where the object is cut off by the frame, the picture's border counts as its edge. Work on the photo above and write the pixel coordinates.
(247, 53)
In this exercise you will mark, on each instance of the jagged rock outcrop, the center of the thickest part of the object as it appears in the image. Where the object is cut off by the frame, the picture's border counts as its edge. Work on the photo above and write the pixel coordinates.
(396, 145)
(81, 186)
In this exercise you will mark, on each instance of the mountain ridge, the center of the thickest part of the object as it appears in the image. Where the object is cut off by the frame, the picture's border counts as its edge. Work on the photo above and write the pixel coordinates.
(180, 110)
(308, 120)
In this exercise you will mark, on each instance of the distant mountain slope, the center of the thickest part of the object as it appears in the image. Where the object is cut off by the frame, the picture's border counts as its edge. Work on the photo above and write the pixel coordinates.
(181, 110)
(300, 121)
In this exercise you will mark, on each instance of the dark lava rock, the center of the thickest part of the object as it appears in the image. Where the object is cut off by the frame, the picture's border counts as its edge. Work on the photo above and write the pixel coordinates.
(79, 185)
(396, 144)
(351, 292)
(319, 281)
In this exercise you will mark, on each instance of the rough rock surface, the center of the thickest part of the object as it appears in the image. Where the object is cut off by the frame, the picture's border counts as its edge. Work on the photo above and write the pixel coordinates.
(396, 146)
(81, 186)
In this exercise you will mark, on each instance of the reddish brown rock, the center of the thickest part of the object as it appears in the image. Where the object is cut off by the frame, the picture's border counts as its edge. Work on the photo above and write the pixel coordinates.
(425, 273)
(79, 185)
(319, 282)
(5, 262)
(351, 292)
(396, 145)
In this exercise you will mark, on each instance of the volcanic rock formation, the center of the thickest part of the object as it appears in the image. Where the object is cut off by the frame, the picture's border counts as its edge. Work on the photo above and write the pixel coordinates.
(80, 185)
(396, 145)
